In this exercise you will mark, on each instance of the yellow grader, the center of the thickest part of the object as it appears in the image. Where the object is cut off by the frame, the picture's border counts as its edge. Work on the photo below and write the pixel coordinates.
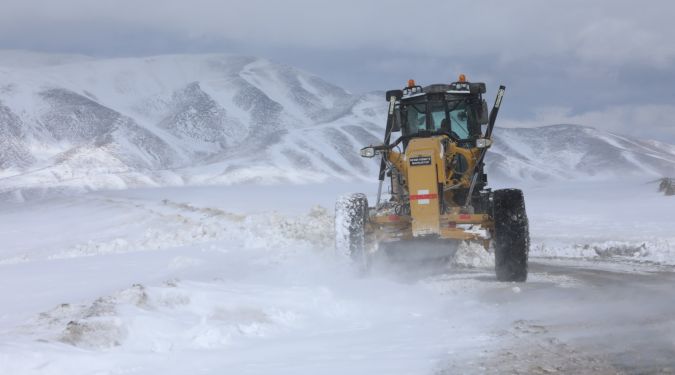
(437, 191)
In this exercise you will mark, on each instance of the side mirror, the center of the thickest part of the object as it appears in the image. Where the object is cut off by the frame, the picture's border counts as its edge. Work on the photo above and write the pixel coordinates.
(483, 116)
(398, 94)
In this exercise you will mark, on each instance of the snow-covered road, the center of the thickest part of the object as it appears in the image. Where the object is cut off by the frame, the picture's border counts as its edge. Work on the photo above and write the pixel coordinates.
(243, 280)
(581, 317)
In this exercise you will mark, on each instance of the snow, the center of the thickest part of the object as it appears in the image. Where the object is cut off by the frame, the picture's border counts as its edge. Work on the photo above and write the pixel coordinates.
(245, 278)
(232, 266)
(204, 287)
(625, 218)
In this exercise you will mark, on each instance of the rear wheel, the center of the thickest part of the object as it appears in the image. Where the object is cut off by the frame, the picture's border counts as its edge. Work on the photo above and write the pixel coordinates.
(351, 215)
(512, 238)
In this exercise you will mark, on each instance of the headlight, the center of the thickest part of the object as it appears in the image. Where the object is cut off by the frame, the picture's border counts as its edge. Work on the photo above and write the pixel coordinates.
(483, 142)
(368, 152)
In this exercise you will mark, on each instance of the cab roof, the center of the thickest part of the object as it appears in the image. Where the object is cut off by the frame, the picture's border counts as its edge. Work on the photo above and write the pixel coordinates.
(456, 88)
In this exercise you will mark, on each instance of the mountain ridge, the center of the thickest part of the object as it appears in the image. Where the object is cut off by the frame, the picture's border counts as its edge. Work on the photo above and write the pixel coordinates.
(89, 124)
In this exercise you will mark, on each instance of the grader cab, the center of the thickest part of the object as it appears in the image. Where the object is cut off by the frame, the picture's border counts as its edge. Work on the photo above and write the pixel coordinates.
(437, 185)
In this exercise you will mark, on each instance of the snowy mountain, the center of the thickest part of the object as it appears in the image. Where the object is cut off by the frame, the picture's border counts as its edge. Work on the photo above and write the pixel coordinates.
(575, 152)
(77, 123)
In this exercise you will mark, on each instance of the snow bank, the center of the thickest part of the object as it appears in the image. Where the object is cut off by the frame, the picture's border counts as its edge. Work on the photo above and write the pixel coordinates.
(626, 219)
(660, 251)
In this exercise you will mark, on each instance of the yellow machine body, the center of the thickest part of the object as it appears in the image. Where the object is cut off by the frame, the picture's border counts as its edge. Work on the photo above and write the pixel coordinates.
(425, 163)
(428, 168)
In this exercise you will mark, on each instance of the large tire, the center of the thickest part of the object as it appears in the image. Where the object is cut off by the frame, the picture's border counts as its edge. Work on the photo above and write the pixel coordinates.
(512, 237)
(351, 215)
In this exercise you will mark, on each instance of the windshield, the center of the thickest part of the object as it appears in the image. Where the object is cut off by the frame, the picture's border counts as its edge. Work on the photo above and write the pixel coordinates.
(417, 118)
(437, 117)
(459, 119)
(432, 116)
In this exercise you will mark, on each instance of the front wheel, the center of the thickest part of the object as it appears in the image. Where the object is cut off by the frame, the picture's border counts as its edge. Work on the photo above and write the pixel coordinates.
(351, 215)
(512, 238)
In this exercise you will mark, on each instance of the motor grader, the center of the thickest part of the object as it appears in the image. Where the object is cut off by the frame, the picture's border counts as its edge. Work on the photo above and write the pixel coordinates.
(437, 184)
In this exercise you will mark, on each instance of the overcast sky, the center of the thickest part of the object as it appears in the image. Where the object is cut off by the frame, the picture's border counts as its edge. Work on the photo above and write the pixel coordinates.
(607, 63)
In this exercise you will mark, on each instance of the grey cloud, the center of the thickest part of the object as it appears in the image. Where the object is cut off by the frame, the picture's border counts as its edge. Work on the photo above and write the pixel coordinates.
(514, 29)
(589, 57)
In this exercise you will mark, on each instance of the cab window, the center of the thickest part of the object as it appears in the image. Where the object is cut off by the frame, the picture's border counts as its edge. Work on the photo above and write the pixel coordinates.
(416, 118)
(431, 116)
(459, 120)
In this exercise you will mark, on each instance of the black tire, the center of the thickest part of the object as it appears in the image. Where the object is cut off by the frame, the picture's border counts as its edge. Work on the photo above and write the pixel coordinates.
(351, 215)
(511, 235)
